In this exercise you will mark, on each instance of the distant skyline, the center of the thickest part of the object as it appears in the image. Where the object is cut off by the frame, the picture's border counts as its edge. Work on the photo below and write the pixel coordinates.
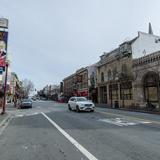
(49, 39)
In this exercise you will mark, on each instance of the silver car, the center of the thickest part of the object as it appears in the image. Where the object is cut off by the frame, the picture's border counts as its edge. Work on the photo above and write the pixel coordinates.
(80, 104)
(26, 103)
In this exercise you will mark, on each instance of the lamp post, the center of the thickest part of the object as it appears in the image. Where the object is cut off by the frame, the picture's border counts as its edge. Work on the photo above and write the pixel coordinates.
(5, 89)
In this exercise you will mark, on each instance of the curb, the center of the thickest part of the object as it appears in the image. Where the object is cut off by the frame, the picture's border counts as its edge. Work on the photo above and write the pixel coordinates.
(141, 111)
(5, 123)
(131, 110)
(5, 120)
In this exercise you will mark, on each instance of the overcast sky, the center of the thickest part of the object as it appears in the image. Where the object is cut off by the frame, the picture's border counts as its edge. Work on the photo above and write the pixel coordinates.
(50, 39)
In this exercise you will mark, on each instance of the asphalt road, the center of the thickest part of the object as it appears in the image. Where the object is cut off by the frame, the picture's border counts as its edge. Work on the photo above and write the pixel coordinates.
(49, 131)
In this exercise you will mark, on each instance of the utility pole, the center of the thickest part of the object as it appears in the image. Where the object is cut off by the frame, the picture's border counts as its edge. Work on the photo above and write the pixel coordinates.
(3, 55)
(5, 90)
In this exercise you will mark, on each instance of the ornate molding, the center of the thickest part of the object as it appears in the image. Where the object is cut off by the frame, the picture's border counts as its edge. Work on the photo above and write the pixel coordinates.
(147, 59)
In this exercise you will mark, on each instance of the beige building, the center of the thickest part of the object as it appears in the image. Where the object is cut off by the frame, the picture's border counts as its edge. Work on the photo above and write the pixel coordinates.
(15, 91)
(120, 79)
(114, 78)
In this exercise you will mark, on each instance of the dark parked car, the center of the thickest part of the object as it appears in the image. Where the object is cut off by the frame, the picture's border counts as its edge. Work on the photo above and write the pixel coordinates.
(26, 103)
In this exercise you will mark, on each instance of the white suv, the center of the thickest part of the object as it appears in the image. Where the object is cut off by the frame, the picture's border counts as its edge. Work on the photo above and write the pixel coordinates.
(80, 104)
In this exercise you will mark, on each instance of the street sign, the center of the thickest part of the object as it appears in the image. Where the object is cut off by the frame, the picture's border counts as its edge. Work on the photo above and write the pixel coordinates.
(1, 70)
(3, 23)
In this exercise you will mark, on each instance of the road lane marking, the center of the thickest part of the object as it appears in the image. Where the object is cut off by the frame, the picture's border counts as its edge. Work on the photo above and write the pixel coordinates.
(19, 115)
(129, 117)
(71, 139)
(27, 114)
(121, 122)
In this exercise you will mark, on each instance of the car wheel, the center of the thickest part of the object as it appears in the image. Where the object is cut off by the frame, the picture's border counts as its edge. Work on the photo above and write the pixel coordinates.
(92, 110)
(69, 107)
(77, 109)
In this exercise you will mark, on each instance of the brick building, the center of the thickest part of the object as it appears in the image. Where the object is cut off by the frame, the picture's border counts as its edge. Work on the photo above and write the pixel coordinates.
(81, 83)
(69, 85)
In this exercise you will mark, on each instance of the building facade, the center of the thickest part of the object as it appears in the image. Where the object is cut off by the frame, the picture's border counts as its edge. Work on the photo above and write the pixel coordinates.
(15, 92)
(127, 76)
(69, 86)
(146, 84)
(81, 83)
(116, 71)
(114, 78)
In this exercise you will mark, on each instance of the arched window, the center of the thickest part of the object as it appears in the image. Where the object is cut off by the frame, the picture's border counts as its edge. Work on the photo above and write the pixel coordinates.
(115, 73)
(102, 77)
(109, 75)
(124, 69)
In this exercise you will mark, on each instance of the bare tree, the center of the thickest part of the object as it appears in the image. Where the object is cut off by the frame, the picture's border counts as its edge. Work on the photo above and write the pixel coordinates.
(28, 87)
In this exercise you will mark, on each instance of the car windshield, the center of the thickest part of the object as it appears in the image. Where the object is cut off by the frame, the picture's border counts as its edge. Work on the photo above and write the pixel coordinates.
(81, 99)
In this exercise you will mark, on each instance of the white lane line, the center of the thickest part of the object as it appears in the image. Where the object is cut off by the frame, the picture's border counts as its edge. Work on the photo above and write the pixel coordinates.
(20, 115)
(71, 139)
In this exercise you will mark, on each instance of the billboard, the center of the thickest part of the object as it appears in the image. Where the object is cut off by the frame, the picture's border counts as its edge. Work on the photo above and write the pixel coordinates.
(3, 47)
(3, 23)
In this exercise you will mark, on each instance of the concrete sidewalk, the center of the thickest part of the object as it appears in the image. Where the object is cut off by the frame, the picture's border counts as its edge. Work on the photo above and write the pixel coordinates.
(7, 115)
(2, 117)
(102, 105)
(128, 109)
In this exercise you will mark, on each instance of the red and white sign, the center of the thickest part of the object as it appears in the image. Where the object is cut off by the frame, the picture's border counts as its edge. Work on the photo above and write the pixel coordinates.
(2, 59)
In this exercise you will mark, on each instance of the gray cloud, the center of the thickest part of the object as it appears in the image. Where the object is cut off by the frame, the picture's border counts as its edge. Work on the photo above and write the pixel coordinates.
(50, 39)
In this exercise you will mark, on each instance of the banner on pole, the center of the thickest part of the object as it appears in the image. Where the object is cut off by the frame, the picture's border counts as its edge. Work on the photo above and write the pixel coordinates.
(3, 47)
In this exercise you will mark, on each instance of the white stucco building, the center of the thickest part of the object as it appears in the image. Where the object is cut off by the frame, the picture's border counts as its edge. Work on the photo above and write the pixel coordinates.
(144, 44)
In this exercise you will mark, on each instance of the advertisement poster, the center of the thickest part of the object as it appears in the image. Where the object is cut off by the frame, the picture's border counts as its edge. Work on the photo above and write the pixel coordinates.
(3, 23)
(3, 47)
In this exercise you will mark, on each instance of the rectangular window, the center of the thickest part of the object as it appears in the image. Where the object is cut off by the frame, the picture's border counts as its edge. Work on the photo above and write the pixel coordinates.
(113, 92)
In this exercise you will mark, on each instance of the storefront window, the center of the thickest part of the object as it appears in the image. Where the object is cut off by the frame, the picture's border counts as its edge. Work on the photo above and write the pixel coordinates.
(151, 82)
(103, 94)
(113, 92)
